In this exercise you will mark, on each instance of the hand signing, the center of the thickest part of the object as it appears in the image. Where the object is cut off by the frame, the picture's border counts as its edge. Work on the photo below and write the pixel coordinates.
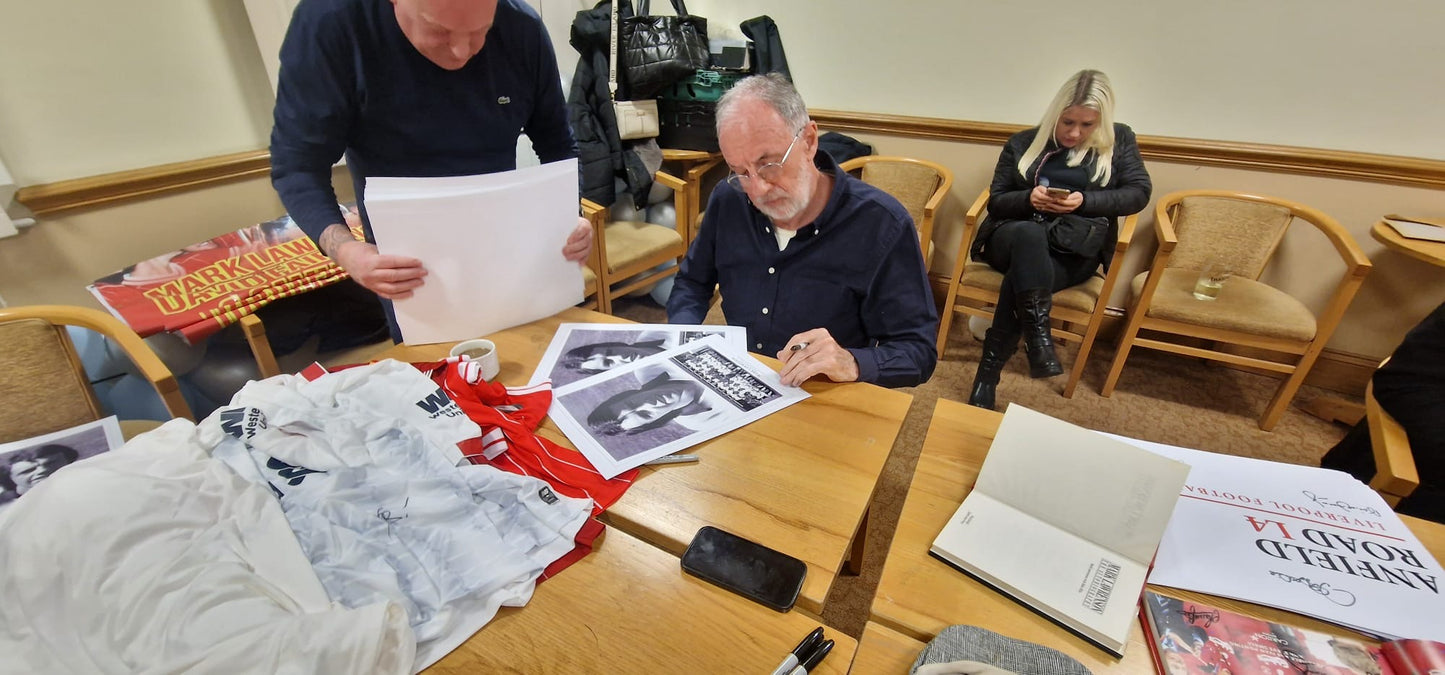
(815, 352)
(579, 243)
(1044, 202)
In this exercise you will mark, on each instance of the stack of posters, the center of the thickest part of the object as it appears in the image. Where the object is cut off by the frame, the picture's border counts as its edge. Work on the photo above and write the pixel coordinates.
(202, 288)
(1305, 539)
(632, 393)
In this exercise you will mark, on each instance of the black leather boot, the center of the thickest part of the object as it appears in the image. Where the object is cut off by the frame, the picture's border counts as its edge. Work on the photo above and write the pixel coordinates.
(998, 347)
(1033, 312)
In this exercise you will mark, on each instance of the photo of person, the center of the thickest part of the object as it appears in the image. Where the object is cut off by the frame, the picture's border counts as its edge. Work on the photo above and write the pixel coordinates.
(665, 402)
(26, 464)
(580, 350)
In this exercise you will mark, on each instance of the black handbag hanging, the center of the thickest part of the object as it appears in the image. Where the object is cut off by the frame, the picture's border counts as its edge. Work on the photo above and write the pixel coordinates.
(660, 50)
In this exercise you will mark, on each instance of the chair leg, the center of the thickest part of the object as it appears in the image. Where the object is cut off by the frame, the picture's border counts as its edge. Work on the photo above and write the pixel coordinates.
(1288, 389)
(1126, 342)
(1077, 372)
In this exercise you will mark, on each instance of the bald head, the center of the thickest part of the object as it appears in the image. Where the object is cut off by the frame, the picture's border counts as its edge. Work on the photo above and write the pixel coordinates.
(447, 32)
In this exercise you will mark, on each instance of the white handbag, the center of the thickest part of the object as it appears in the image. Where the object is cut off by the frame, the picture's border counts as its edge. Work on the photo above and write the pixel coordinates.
(635, 119)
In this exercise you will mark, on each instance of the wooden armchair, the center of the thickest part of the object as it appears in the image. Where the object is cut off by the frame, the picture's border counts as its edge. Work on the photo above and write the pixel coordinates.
(918, 184)
(42, 382)
(1395, 474)
(1078, 310)
(1241, 232)
(626, 252)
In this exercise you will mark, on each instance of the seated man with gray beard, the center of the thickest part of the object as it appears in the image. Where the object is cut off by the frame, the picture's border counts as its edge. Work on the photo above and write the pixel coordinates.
(823, 270)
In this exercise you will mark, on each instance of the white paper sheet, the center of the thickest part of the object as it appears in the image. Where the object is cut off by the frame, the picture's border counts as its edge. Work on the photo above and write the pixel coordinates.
(491, 244)
(1301, 538)
(667, 402)
(582, 350)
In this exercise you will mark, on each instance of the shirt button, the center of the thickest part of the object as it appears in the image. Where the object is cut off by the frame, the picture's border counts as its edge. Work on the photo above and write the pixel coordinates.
(771, 270)
(766, 230)
(765, 310)
(760, 345)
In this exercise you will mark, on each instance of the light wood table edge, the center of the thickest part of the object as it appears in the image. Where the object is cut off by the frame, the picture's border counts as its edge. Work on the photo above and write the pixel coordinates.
(1432, 252)
(884, 650)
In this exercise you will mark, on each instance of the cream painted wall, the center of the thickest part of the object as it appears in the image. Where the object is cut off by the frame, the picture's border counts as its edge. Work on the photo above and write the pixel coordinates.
(1338, 74)
(95, 86)
(1398, 293)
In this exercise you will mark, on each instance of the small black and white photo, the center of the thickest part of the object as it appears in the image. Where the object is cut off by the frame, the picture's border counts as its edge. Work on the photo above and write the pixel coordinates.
(582, 350)
(26, 464)
(667, 402)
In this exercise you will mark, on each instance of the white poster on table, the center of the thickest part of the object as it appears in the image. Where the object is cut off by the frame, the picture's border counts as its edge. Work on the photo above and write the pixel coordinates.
(491, 245)
(582, 350)
(1306, 539)
(667, 402)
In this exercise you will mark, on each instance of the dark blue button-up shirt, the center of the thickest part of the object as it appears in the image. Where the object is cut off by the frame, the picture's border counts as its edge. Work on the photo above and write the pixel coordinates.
(856, 271)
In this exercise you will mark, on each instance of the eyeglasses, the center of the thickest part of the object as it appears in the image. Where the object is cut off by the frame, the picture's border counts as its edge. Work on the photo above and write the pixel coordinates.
(769, 172)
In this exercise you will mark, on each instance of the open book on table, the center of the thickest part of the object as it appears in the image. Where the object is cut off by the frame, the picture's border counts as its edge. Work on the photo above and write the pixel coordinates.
(1066, 521)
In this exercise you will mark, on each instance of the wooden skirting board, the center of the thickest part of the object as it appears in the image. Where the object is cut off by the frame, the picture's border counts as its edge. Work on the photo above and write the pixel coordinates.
(1411, 171)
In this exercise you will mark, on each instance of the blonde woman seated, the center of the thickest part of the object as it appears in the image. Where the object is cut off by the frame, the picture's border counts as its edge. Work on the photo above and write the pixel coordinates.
(1053, 210)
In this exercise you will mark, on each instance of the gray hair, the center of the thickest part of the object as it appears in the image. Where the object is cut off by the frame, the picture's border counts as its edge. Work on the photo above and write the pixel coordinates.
(774, 89)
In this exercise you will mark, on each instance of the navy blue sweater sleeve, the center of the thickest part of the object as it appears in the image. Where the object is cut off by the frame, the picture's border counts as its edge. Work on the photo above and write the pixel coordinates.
(548, 128)
(313, 116)
(898, 313)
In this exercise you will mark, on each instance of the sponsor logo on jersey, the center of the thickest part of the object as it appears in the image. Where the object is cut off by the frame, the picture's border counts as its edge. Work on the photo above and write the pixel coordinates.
(242, 423)
(437, 405)
(547, 495)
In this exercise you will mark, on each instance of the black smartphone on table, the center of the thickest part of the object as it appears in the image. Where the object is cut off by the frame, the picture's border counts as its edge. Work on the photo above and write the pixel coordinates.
(745, 567)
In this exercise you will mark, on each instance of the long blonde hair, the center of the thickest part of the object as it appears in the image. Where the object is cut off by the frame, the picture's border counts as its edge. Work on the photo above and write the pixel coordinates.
(1089, 89)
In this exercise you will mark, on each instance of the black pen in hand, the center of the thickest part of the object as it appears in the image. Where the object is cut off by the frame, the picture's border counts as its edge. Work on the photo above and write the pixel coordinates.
(800, 652)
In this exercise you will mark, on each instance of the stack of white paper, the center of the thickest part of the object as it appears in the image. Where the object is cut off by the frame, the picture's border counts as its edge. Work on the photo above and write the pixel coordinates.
(491, 244)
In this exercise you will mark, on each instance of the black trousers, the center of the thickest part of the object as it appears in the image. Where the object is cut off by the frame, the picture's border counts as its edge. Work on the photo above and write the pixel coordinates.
(1411, 387)
(1020, 250)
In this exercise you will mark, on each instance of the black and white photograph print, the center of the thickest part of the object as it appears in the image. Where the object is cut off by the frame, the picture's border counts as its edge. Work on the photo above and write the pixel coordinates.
(666, 402)
(26, 464)
(582, 350)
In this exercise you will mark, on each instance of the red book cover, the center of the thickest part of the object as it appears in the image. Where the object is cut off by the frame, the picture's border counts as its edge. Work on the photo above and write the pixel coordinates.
(204, 287)
(1192, 638)
(1415, 657)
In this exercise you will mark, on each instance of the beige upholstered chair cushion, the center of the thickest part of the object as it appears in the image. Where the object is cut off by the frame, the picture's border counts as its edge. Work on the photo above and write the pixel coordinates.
(1238, 234)
(1243, 305)
(1081, 297)
(42, 388)
(629, 242)
(589, 280)
(911, 184)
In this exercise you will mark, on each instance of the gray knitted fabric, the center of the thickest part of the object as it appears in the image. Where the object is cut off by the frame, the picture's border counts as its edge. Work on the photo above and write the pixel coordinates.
(971, 643)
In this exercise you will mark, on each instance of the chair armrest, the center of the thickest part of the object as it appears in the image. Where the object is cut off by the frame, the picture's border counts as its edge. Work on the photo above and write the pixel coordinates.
(1164, 226)
(669, 180)
(1395, 473)
(1126, 232)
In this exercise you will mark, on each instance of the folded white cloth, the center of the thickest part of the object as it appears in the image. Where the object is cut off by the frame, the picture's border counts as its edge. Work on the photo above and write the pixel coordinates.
(156, 558)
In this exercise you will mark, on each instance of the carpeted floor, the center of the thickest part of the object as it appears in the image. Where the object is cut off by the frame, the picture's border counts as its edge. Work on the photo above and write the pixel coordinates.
(1160, 397)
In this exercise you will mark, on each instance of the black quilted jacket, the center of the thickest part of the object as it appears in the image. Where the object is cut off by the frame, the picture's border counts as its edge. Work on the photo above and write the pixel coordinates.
(602, 156)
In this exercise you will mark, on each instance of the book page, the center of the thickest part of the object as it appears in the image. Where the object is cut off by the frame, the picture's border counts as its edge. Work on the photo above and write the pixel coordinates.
(1115, 495)
(1076, 581)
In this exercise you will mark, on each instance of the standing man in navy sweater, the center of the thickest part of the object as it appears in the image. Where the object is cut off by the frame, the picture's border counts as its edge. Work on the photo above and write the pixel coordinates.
(409, 88)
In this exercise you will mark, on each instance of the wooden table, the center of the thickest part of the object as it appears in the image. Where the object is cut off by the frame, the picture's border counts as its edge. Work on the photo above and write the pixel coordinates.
(884, 650)
(629, 608)
(1432, 252)
(799, 480)
(920, 596)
